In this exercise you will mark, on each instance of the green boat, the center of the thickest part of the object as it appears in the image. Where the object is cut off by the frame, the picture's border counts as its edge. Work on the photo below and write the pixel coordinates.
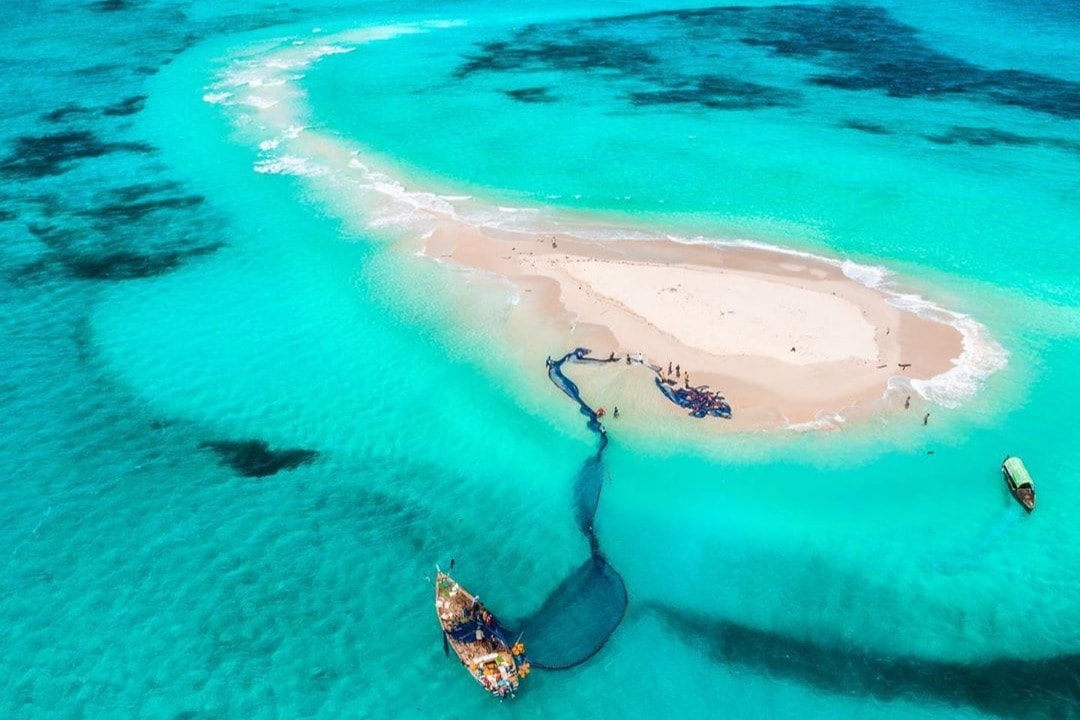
(1019, 482)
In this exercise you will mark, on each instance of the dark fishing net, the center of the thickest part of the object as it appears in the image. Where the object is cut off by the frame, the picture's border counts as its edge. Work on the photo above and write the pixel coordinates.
(578, 617)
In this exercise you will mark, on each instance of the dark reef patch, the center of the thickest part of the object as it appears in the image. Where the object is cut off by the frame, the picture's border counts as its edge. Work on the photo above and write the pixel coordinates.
(39, 156)
(130, 264)
(127, 106)
(8, 215)
(577, 52)
(866, 48)
(82, 255)
(64, 112)
(138, 191)
(1006, 687)
(133, 211)
(54, 237)
(987, 137)
(688, 57)
(254, 458)
(718, 92)
(866, 127)
(98, 69)
(112, 5)
(531, 95)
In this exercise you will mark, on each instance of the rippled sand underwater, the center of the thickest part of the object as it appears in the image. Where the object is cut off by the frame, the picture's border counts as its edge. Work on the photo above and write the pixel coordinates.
(160, 294)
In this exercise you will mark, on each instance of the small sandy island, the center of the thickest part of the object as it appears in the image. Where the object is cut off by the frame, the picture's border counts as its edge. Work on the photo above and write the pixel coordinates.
(787, 340)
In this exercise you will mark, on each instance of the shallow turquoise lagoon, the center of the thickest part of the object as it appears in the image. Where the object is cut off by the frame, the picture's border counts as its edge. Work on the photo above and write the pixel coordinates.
(169, 282)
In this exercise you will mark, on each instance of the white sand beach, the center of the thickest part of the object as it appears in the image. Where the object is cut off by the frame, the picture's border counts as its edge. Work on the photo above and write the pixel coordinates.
(787, 339)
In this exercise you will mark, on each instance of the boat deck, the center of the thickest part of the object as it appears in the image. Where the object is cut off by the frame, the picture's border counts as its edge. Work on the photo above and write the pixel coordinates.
(487, 659)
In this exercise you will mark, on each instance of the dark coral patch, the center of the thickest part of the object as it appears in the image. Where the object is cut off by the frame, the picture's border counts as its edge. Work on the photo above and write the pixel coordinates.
(112, 5)
(1044, 687)
(8, 215)
(98, 69)
(132, 203)
(866, 48)
(254, 458)
(121, 237)
(54, 237)
(866, 127)
(138, 191)
(127, 106)
(133, 211)
(619, 56)
(848, 47)
(75, 255)
(38, 156)
(718, 92)
(129, 264)
(64, 112)
(987, 137)
(531, 95)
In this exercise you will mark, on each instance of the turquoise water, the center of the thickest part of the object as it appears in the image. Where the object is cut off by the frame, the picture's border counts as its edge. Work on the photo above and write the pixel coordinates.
(159, 294)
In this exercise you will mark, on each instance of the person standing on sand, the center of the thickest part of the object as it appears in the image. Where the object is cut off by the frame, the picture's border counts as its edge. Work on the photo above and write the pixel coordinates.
(907, 403)
(615, 413)
(669, 367)
(678, 371)
(686, 377)
(926, 418)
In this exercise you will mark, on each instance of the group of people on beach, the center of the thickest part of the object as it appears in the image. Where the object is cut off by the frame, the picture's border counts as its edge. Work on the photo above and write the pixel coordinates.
(699, 400)
(672, 379)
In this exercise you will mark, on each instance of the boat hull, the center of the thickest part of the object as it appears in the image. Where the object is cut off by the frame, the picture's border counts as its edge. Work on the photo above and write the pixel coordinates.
(1023, 493)
(480, 642)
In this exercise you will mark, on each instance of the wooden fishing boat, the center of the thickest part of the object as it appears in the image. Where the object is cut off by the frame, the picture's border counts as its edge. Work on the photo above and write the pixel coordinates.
(1019, 482)
(484, 646)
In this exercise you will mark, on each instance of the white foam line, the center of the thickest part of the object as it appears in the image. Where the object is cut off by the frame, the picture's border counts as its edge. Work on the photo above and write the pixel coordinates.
(289, 165)
(215, 98)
